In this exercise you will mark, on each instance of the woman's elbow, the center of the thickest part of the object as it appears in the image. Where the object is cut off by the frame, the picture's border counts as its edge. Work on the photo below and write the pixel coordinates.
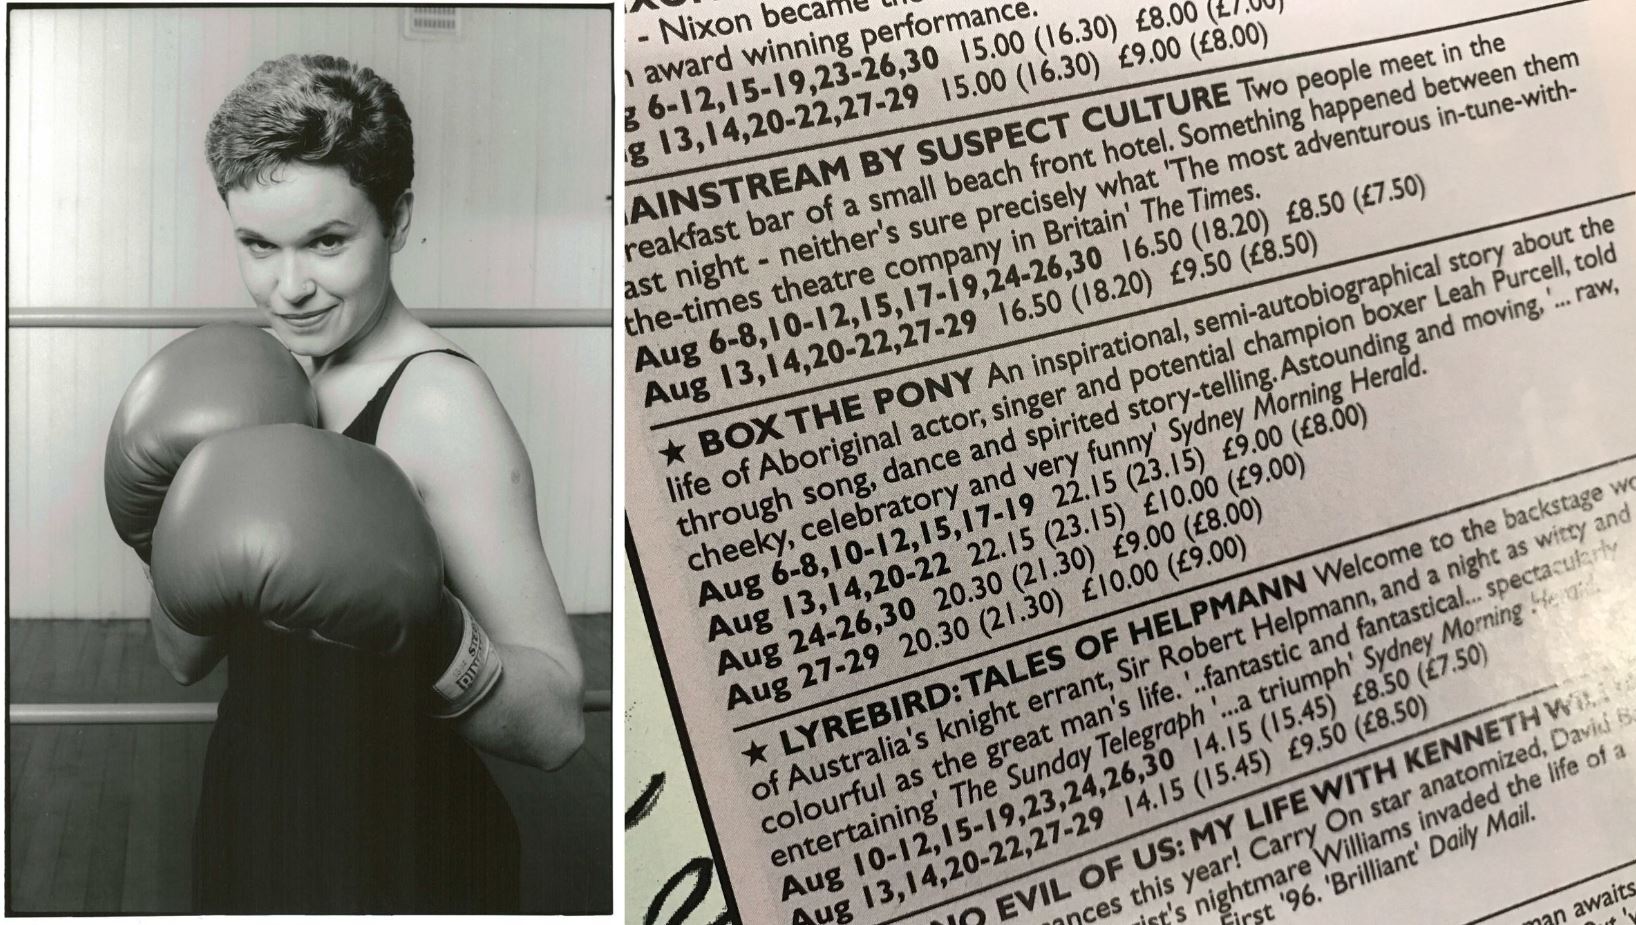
(565, 744)
(566, 735)
(565, 739)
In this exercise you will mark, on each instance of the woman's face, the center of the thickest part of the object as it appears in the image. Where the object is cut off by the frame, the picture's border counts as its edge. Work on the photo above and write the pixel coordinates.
(314, 255)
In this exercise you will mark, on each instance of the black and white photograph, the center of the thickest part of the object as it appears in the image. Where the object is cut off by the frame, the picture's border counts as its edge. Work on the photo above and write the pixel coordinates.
(309, 460)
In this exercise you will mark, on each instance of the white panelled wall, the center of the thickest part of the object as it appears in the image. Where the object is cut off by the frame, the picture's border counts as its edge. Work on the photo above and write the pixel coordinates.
(67, 562)
(112, 206)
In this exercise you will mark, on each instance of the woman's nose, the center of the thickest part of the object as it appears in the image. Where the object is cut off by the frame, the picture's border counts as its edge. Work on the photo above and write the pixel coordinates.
(295, 285)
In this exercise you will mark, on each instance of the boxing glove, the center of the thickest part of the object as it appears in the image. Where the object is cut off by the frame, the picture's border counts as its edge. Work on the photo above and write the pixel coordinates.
(217, 378)
(314, 533)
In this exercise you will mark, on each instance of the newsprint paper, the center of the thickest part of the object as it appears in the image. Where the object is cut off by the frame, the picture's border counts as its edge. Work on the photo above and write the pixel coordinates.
(1136, 463)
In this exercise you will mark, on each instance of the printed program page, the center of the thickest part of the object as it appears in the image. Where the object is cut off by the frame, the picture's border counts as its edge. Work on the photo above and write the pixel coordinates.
(1140, 462)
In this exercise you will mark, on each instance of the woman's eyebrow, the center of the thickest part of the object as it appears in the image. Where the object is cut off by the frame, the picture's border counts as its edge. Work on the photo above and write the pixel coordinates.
(334, 224)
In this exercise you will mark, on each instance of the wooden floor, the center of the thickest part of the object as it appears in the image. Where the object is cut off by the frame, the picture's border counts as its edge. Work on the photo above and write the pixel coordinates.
(99, 818)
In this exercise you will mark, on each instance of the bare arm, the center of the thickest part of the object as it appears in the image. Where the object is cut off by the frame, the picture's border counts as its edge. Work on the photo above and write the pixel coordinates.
(449, 432)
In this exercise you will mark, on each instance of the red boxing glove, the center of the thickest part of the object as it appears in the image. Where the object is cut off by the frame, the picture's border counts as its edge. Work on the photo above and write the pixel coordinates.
(218, 378)
(314, 533)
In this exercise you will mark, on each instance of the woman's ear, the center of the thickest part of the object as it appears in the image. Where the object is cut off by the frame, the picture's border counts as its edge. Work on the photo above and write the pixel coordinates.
(402, 210)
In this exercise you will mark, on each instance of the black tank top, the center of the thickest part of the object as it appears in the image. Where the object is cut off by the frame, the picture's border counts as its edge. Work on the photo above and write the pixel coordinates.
(327, 789)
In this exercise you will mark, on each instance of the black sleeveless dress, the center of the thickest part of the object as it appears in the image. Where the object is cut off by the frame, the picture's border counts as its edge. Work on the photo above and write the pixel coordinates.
(327, 789)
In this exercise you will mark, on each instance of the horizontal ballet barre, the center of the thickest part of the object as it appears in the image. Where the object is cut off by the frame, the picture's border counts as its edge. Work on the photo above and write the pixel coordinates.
(82, 714)
(194, 317)
(74, 714)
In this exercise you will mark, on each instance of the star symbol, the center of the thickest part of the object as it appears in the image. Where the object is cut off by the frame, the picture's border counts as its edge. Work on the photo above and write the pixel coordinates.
(755, 752)
(672, 453)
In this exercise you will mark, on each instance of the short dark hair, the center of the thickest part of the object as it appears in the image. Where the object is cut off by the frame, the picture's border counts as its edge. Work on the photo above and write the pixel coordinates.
(316, 109)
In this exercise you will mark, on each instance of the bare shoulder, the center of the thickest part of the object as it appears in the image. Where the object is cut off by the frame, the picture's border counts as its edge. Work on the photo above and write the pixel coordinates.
(441, 385)
(445, 423)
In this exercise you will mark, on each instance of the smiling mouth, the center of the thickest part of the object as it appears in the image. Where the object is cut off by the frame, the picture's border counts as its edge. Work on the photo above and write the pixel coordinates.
(305, 319)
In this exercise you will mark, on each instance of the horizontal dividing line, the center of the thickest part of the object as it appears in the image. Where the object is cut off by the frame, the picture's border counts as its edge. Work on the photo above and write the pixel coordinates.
(1088, 94)
(1112, 319)
(1566, 886)
(1140, 605)
(1177, 820)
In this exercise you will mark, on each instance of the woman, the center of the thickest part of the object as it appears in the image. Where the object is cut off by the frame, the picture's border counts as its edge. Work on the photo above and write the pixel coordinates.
(327, 786)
